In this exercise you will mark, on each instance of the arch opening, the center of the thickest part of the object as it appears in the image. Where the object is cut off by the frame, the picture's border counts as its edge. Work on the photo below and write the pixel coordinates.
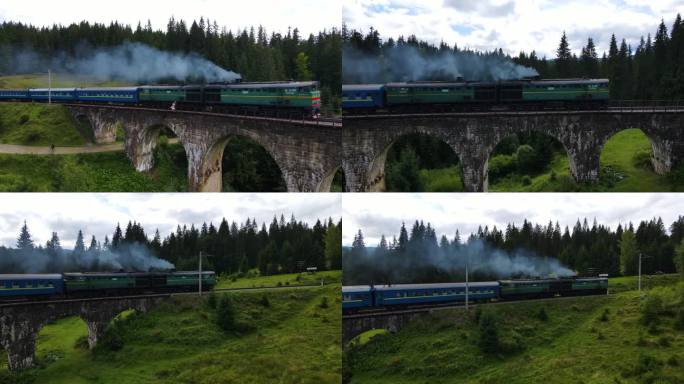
(339, 181)
(630, 161)
(246, 166)
(61, 340)
(168, 161)
(529, 161)
(85, 128)
(417, 162)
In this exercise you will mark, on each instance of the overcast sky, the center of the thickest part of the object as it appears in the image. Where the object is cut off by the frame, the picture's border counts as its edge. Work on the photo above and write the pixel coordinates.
(513, 25)
(97, 214)
(310, 16)
(377, 214)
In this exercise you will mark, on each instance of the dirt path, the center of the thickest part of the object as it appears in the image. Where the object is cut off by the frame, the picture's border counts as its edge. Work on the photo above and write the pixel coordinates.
(33, 150)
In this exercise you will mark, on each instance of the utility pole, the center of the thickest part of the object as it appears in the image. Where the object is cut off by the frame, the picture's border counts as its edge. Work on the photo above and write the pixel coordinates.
(200, 270)
(467, 260)
(49, 87)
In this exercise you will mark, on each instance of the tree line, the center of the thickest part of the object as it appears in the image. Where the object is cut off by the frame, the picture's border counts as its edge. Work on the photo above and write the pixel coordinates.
(652, 70)
(252, 52)
(419, 256)
(231, 248)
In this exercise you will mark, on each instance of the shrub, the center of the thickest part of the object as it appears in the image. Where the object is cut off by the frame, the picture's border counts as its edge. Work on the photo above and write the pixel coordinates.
(264, 301)
(489, 332)
(664, 341)
(501, 165)
(211, 300)
(651, 308)
(81, 343)
(24, 119)
(511, 343)
(526, 180)
(604, 316)
(113, 338)
(478, 313)
(324, 302)
(646, 363)
(542, 315)
(642, 159)
(672, 361)
(225, 314)
(526, 159)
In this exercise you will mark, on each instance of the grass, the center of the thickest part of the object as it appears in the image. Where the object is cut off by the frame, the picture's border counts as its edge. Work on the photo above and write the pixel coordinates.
(291, 279)
(38, 124)
(598, 339)
(292, 340)
(40, 80)
(93, 172)
(624, 168)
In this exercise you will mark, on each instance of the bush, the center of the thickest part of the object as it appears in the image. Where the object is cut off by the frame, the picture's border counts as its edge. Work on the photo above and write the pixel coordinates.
(642, 159)
(541, 314)
(489, 332)
(225, 314)
(478, 313)
(604, 316)
(672, 361)
(501, 165)
(24, 119)
(113, 337)
(526, 180)
(651, 308)
(526, 159)
(324, 302)
(264, 301)
(211, 301)
(646, 364)
(664, 341)
(81, 343)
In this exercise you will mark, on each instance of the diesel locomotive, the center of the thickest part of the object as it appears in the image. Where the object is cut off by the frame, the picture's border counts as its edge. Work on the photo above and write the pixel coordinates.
(401, 295)
(21, 287)
(528, 94)
(264, 98)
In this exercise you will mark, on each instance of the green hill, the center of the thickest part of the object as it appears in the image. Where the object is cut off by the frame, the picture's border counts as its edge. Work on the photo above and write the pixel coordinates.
(284, 336)
(600, 339)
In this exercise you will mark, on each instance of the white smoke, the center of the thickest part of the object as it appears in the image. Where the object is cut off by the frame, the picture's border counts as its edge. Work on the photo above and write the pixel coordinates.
(129, 62)
(407, 63)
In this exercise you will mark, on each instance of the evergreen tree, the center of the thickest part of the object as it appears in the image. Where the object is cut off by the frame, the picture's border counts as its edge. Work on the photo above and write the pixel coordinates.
(24, 241)
(628, 253)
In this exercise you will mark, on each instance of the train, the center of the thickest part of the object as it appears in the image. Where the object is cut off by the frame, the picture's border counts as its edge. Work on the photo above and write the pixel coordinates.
(403, 295)
(22, 287)
(268, 98)
(462, 96)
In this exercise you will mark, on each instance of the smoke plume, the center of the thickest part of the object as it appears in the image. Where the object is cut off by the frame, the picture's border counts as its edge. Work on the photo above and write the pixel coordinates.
(407, 63)
(129, 62)
(126, 257)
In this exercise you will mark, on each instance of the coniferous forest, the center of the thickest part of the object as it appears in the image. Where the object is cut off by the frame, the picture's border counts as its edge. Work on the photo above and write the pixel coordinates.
(252, 52)
(416, 255)
(282, 246)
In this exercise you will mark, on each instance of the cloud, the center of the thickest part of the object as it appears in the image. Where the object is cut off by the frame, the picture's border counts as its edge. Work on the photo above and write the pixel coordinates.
(98, 213)
(513, 25)
(378, 214)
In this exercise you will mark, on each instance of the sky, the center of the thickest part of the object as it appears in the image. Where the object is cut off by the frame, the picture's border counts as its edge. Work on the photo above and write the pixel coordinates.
(97, 214)
(310, 16)
(377, 214)
(513, 25)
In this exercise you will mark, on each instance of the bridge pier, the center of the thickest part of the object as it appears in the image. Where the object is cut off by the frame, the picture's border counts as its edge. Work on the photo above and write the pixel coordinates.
(19, 341)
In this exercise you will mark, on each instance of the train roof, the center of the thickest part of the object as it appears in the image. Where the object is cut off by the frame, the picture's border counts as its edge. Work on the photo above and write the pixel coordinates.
(277, 84)
(109, 89)
(51, 89)
(435, 285)
(567, 81)
(355, 288)
(362, 87)
(421, 84)
(545, 280)
(107, 274)
(191, 272)
(31, 276)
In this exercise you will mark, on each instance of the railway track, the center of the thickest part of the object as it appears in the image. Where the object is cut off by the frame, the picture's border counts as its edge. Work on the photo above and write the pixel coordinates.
(441, 307)
(152, 295)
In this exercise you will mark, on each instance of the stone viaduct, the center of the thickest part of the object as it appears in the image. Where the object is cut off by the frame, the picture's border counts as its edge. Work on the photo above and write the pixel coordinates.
(20, 323)
(473, 136)
(308, 153)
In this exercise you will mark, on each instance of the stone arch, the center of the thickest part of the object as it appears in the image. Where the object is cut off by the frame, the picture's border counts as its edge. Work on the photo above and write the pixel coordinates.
(326, 183)
(660, 152)
(502, 136)
(375, 174)
(212, 162)
(140, 144)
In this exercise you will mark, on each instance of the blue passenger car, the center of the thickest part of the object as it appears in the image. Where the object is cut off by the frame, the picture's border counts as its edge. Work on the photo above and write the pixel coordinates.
(357, 296)
(14, 94)
(363, 96)
(56, 94)
(432, 293)
(31, 285)
(109, 95)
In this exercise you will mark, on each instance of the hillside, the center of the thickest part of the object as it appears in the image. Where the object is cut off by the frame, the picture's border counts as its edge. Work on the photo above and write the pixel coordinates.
(599, 339)
(284, 336)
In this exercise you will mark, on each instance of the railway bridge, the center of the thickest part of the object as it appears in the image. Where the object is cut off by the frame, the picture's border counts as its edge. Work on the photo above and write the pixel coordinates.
(308, 153)
(473, 136)
(20, 323)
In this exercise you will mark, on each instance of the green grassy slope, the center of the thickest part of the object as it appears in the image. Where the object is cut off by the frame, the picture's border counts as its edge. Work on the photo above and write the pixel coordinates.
(291, 279)
(92, 172)
(38, 124)
(294, 339)
(576, 344)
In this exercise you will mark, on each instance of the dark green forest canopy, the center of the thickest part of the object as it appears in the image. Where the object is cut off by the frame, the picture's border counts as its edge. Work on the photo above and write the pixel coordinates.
(416, 255)
(652, 70)
(283, 246)
(252, 52)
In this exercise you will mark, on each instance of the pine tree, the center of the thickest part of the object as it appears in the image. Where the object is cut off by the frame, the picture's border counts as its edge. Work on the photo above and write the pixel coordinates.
(24, 242)
(564, 58)
(628, 253)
